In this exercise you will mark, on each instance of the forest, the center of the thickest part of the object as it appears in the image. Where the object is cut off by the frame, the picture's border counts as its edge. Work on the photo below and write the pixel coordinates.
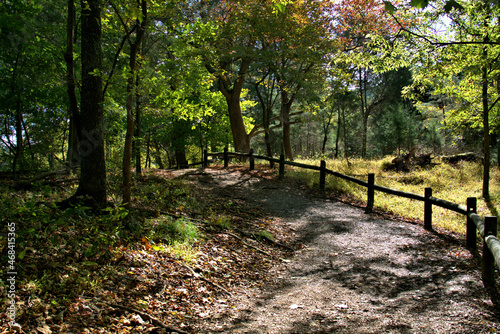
(105, 91)
(167, 80)
(151, 84)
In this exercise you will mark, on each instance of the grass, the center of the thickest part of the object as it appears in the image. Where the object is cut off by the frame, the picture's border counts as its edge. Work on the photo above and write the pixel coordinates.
(454, 183)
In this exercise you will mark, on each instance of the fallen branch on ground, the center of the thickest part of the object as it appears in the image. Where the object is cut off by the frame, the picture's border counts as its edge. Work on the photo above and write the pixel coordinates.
(247, 244)
(203, 278)
(154, 320)
(252, 235)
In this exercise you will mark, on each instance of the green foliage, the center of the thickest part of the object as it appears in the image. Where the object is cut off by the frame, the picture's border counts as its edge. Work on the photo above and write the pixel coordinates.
(219, 222)
(173, 231)
(396, 130)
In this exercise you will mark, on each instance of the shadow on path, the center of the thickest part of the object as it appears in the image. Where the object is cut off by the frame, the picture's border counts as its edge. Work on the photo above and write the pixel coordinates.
(355, 273)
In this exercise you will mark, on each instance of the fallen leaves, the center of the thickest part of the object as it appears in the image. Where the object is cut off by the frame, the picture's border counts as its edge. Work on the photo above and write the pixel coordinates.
(80, 281)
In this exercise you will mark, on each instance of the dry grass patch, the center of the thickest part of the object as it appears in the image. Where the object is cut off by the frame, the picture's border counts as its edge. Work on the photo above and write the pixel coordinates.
(454, 183)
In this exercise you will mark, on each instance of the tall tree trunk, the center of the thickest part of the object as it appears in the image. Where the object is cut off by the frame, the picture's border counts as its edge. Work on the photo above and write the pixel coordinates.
(137, 132)
(267, 108)
(74, 125)
(364, 112)
(232, 93)
(19, 135)
(326, 128)
(127, 151)
(93, 166)
(346, 153)
(148, 151)
(180, 157)
(241, 141)
(486, 134)
(338, 134)
(364, 134)
(158, 158)
(486, 111)
(18, 147)
(286, 105)
(178, 136)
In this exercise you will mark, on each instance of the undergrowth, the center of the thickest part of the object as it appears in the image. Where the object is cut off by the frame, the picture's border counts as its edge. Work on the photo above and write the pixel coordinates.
(63, 254)
(454, 183)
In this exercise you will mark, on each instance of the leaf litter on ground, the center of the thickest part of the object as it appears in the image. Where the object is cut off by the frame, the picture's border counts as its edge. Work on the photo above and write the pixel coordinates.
(69, 282)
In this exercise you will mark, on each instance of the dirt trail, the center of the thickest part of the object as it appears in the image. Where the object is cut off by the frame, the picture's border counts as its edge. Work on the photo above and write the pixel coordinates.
(356, 272)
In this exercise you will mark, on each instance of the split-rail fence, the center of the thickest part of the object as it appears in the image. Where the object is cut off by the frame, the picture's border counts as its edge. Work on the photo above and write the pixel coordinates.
(486, 228)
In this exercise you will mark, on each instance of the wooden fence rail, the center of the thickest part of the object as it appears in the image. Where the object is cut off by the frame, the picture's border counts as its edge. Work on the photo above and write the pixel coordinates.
(486, 228)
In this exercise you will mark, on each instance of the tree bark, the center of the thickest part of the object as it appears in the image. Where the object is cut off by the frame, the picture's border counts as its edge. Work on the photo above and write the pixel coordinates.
(127, 151)
(364, 111)
(338, 134)
(74, 133)
(286, 105)
(232, 93)
(91, 148)
(241, 141)
(19, 135)
(486, 134)
(326, 129)
(18, 148)
(267, 109)
(137, 132)
(158, 158)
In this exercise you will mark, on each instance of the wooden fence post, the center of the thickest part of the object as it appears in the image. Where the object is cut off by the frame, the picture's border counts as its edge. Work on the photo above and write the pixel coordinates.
(428, 209)
(226, 158)
(282, 166)
(371, 193)
(205, 158)
(471, 227)
(252, 160)
(488, 262)
(322, 175)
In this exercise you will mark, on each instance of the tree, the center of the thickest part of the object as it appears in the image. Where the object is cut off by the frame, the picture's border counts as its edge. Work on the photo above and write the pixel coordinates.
(266, 91)
(30, 82)
(139, 27)
(75, 131)
(295, 50)
(91, 147)
(236, 36)
(359, 21)
(463, 64)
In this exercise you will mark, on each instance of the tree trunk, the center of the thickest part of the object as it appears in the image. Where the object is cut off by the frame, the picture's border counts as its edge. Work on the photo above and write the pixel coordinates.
(148, 156)
(364, 134)
(364, 115)
(486, 135)
(127, 152)
(346, 153)
(241, 140)
(18, 148)
(91, 148)
(74, 133)
(137, 132)
(338, 134)
(232, 92)
(286, 105)
(180, 157)
(267, 109)
(326, 129)
(158, 158)
(19, 135)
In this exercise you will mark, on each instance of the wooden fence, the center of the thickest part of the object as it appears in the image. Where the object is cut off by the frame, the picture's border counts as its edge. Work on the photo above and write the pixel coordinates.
(487, 228)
